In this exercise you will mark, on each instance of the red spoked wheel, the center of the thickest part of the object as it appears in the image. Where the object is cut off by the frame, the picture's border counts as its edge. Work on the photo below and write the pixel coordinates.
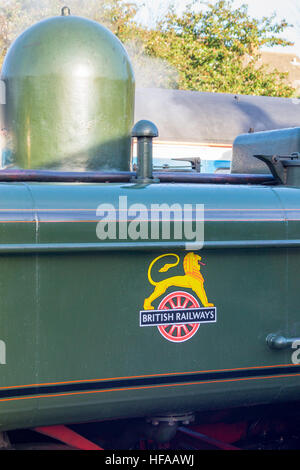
(183, 332)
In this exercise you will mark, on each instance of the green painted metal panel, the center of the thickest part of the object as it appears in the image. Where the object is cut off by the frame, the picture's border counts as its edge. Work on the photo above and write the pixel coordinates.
(75, 317)
(18, 302)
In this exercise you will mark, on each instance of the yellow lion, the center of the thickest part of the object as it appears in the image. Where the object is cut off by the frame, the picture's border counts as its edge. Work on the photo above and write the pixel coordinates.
(192, 279)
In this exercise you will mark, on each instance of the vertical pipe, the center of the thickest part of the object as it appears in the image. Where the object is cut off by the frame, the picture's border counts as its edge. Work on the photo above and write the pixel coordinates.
(145, 158)
(144, 131)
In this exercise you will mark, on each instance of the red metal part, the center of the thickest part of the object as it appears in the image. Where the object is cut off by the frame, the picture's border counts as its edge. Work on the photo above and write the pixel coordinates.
(199, 441)
(224, 432)
(66, 435)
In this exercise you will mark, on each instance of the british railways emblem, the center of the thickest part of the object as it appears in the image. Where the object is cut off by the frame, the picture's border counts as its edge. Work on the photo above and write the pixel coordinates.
(179, 313)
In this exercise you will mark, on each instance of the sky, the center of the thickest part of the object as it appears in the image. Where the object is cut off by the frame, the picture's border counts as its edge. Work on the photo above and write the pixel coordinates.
(287, 9)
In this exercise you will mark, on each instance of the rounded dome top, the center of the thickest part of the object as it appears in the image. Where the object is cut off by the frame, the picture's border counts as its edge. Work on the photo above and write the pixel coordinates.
(68, 43)
(70, 96)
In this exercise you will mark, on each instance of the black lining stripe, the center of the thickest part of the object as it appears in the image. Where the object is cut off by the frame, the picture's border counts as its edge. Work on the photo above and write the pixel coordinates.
(147, 381)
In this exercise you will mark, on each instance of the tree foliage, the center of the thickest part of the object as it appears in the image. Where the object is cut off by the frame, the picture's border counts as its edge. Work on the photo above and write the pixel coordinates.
(215, 48)
(218, 49)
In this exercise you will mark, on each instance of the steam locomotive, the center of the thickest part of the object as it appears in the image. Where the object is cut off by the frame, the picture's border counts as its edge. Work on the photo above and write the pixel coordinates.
(137, 308)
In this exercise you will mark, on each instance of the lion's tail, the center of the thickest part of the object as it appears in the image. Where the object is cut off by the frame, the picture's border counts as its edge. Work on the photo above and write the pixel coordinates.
(165, 268)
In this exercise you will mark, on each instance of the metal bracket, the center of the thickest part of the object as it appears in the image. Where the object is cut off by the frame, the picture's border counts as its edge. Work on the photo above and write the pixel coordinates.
(195, 162)
(276, 164)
